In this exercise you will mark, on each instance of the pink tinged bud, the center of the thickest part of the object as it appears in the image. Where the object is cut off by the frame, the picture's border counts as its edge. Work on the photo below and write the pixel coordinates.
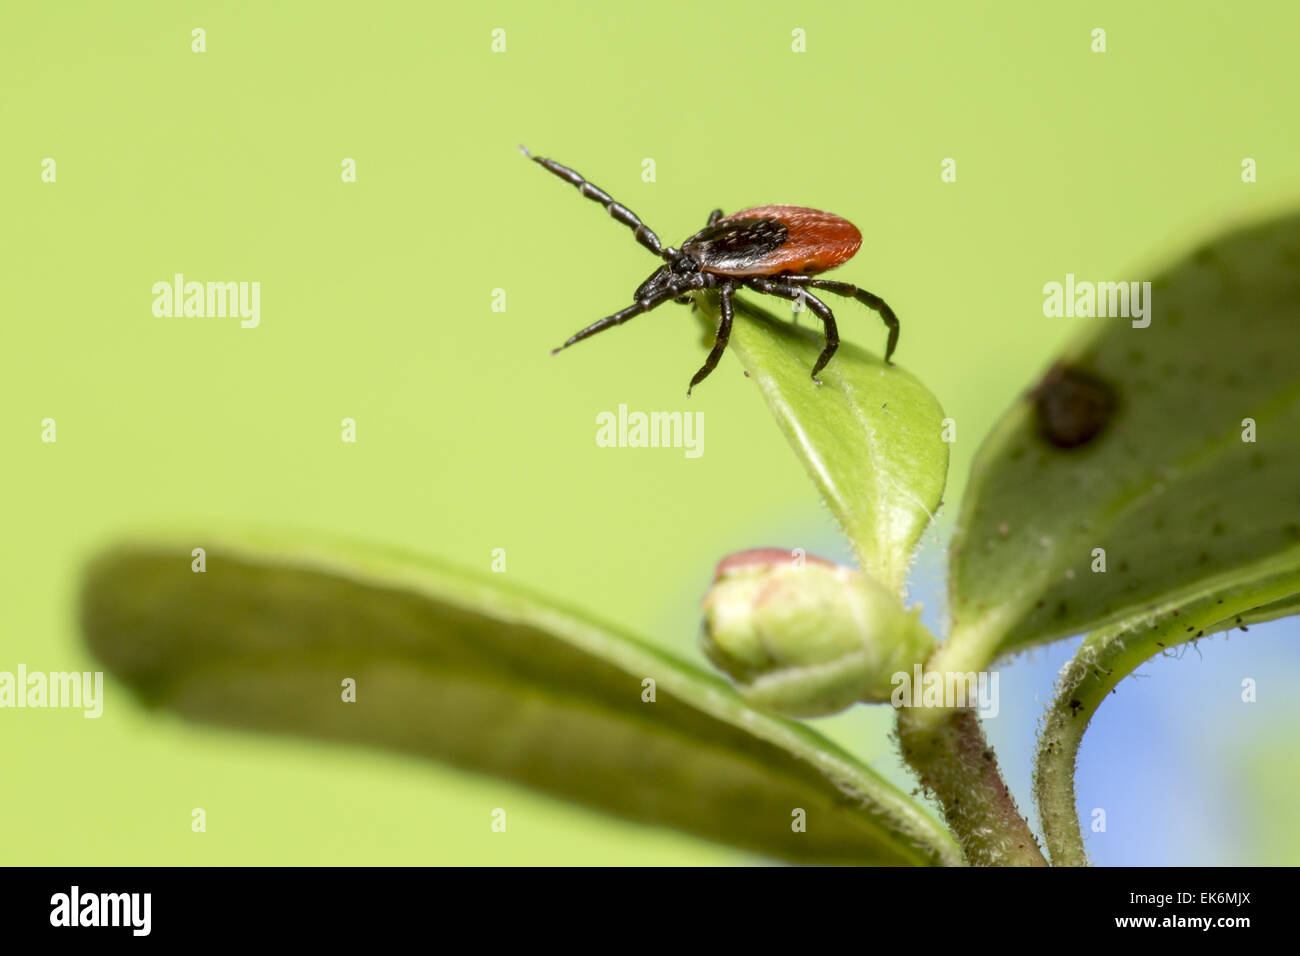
(804, 637)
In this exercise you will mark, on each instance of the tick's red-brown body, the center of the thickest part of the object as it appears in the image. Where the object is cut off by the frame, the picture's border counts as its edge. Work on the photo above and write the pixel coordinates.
(775, 250)
(815, 242)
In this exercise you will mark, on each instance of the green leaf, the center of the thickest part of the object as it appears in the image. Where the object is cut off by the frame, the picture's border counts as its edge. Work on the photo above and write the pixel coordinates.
(869, 435)
(1284, 607)
(466, 671)
(1105, 659)
(1182, 506)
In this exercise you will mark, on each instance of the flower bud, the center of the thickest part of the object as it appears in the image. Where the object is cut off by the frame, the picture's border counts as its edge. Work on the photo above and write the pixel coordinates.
(804, 637)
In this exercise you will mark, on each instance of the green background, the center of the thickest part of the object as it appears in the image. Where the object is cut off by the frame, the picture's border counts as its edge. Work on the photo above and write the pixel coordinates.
(376, 305)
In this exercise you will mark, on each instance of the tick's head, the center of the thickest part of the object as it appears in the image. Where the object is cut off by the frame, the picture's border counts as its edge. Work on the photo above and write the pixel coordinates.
(659, 282)
(662, 279)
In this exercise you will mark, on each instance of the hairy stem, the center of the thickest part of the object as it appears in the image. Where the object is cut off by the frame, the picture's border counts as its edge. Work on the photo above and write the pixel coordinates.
(1102, 661)
(954, 762)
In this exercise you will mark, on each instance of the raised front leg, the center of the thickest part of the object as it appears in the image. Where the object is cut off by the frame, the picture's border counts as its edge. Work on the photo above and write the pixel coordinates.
(643, 233)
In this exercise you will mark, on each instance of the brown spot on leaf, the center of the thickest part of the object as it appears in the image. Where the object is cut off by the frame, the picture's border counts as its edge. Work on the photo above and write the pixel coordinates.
(1073, 406)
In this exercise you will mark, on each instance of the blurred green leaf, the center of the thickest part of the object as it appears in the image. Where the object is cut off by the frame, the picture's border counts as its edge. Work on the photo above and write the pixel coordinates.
(1105, 659)
(1285, 607)
(466, 671)
(1266, 770)
(1180, 503)
(869, 435)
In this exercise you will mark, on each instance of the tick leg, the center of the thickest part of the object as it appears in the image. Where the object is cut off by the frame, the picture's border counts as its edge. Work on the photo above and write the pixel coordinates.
(819, 308)
(868, 299)
(713, 217)
(635, 309)
(720, 343)
(643, 233)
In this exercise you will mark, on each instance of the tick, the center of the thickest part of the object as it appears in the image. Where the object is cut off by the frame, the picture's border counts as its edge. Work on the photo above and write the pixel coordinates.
(775, 250)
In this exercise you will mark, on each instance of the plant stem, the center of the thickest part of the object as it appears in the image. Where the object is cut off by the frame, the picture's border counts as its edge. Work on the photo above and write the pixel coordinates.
(954, 762)
(1101, 662)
